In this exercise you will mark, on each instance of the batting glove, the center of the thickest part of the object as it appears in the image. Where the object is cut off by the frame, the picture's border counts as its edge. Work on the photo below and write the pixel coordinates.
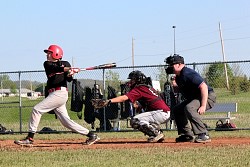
(73, 70)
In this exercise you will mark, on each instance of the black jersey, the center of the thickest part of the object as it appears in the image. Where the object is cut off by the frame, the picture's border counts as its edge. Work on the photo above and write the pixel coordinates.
(56, 75)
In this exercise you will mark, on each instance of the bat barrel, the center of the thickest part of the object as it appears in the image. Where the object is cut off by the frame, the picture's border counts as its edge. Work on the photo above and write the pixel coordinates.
(103, 66)
(109, 65)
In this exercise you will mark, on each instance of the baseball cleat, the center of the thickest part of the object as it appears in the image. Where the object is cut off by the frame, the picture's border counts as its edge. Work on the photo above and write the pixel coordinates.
(159, 138)
(184, 138)
(202, 139)
(25, 142)
(93, 138)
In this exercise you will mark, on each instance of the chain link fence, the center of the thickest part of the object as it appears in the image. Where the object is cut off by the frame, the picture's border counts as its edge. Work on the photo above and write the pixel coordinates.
(21, 90)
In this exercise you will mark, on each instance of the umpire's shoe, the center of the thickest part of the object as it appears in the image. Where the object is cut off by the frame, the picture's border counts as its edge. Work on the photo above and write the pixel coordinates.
(25, 142)
(184, 138)
(92, 138)
(202, 138)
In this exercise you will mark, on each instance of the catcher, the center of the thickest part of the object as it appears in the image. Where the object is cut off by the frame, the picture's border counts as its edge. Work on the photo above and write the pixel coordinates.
(156, 110)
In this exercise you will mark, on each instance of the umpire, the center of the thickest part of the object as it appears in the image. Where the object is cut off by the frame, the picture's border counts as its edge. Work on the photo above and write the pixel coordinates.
(199, 97)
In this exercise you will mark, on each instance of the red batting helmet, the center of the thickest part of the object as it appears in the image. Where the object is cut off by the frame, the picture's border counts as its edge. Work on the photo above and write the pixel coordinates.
(57, 52)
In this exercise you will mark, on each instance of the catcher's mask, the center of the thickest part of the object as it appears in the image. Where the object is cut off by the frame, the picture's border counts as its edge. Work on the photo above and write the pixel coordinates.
(57, 52)
(136, 77)
(171, 60)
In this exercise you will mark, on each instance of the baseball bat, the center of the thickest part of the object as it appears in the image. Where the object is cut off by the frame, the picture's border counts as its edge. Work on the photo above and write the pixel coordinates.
(103, 66)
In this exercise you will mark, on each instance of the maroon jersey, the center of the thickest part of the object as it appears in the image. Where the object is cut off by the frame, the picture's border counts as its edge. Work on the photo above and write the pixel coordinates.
(148, 97)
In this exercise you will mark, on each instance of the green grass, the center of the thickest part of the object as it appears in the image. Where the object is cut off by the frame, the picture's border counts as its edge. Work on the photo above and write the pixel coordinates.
(227, 155)
(11, 114)
(144, 157)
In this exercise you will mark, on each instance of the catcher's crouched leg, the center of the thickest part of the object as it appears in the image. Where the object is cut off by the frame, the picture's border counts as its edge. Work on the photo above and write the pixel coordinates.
(153, 131)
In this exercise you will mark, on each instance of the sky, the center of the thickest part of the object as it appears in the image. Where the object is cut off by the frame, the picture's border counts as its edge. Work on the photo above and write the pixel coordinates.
(93, 32)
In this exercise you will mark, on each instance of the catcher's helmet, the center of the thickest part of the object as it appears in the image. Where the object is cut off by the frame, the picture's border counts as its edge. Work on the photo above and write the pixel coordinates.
(57, 52)
(138, 77)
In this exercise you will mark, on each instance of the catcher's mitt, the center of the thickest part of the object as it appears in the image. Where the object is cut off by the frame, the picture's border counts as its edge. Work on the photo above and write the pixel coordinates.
(100, 103)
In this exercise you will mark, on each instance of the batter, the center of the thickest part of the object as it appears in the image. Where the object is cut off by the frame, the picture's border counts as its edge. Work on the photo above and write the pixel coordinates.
(58, 74)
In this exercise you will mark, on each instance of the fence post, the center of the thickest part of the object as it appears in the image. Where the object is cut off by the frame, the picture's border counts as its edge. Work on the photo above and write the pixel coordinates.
(104, 96)
(20, 102)
(194, 65)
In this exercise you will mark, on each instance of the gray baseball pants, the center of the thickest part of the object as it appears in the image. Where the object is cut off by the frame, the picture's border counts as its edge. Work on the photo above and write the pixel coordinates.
(188, 111)
(55, 101)
(153, 117)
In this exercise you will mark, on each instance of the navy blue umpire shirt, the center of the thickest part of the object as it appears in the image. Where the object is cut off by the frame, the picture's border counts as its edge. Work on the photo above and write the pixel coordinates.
(189, 82)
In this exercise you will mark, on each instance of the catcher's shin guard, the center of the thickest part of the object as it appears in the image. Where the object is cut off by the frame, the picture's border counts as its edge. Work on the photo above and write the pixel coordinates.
(146, 128)
(150, 129)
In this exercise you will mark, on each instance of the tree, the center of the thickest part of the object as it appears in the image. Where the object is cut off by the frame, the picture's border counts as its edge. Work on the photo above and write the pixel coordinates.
(215, 75)
(6, 83)
(112, 79)
(244, 84)
(40, 88)
(13, 89)
(162, 77)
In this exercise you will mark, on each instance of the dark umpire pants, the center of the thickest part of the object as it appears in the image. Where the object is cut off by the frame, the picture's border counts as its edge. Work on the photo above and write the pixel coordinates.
(188, 111)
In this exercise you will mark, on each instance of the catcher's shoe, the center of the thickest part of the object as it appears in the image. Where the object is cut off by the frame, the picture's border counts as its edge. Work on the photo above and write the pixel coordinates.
(93, 138)
(25, 142)
(158, 138)
(202, 138)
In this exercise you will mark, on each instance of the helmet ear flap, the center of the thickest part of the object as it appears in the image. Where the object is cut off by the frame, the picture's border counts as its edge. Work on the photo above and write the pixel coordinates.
(142, 78)
(57, 52)
(138, 77)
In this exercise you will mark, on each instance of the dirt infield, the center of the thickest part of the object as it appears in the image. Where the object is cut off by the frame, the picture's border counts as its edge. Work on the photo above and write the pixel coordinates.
(118, 144)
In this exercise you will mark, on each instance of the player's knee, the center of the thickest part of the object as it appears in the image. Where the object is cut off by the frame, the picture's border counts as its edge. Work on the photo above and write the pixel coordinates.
(189, 109)
(134, 123)
(36, 111)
